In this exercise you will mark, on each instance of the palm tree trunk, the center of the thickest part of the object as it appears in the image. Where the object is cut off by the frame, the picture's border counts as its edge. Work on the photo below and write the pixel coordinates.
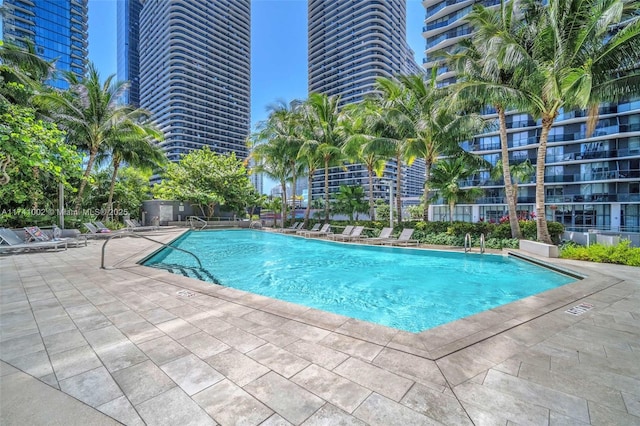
(283, 204)
(307, 212)
(294, 182)
(326, 190)
(506, 174)
(372, 209)
(398, 189)
(427, 176)
(85, 178)
(109, 213)
(541, 218)
(452, 209)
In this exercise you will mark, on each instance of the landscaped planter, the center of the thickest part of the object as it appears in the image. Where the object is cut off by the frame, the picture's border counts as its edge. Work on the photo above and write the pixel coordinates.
(541, 249)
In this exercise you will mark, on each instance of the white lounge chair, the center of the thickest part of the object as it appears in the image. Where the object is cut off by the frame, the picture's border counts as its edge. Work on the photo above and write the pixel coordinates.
(356, 234)
(38, 235)
(293, 228)
(404, 239)
(325, 230)
(315, 228)
(9, 241)
(134, 226)
(345, 232)
(385, 235)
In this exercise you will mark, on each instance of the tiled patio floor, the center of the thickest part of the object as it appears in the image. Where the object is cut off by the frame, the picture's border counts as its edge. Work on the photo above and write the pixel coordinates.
(124, 342)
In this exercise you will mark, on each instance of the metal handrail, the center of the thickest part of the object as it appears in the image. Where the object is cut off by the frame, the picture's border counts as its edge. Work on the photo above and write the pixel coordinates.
(132, 234)
(481, 243)
(192, 218)
(467, 239)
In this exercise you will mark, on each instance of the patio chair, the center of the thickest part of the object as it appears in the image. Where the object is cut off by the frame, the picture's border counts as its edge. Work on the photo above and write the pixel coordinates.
(38, 235)
(94, 232)
(325, 230)
(356, 234)
(101, 226)
(293, 228)
(404, 239)
(315, 228)
(385, 235)
(344, 234)
(9, 241)
(136, 227)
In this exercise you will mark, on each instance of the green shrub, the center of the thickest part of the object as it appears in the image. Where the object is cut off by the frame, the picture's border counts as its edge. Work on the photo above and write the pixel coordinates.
(621, 254)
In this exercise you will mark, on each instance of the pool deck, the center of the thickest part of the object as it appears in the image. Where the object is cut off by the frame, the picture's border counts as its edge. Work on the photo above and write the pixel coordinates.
(82, 345)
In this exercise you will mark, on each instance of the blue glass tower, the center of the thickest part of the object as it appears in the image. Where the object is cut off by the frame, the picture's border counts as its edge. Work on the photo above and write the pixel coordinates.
(57, 29)
(128, 55)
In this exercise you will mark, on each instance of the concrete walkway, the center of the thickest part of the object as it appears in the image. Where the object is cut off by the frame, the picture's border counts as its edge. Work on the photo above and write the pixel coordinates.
(136, 345)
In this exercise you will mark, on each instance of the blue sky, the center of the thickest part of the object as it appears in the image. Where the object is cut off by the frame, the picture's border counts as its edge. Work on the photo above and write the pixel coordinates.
(278, 46)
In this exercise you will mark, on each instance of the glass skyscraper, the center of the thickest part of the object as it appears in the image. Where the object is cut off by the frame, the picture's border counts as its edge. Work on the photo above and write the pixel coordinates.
(57, 29)
(351, 44)
(194, 70)
(128, 12)
(590, 182)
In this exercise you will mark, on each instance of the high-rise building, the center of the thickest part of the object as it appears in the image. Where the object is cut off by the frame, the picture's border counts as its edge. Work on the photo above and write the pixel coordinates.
(351, 44)
(590, 182)
(195, 73)
(128, 12)
(56, 29)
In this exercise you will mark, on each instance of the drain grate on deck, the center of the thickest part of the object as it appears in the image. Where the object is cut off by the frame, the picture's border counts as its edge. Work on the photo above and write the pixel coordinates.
(579, 309)
(185, 293)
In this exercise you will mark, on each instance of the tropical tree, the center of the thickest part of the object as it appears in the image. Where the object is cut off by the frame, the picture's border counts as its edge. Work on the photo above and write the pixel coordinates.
(206, 180)
(357, 148)
(90, 113)
(519, 172)
(323, 131)
(440, 126)
(134, 143)
(446, 180)
(22, 73)
(350, 200)
(273, 204)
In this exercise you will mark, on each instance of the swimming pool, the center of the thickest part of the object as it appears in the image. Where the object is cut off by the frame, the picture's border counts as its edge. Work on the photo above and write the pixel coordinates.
(411, 290)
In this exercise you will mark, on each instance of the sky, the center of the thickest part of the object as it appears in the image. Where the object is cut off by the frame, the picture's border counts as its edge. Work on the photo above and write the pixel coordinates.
(278, 47)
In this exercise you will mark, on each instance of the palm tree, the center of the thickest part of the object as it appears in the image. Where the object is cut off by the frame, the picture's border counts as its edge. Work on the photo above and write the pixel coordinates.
(439, 130)
(484, 76)
(350, 200)
(357, 148)
(24, 67)
(90, 113)
(447, 175)
(133, 144)
(520, 172)
(323, 113)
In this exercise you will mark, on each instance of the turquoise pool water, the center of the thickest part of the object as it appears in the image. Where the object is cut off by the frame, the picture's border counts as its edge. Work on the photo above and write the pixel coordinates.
(411, 290)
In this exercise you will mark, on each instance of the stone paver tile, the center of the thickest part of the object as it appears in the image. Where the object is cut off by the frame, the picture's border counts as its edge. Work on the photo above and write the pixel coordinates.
(289, 400)
(601, 415)
(6, 369)
(323, 319)
(335, 389)
(378, 410)
(632, 403)
(37, 364)
(105, 338)
(143, 381)
(229, 404)
(122, 410)
(191, 373)
(237, 367)
(374, 378)
(354, 347)
(61, 342)
(557, 419)
(275, 420)
(275, 336)
(92, 322)
(437, 405)
(278, 360)
(74, 361)
(411, 366)
(265, 319)
(499, 348)
(121, 355)
(93, 387)
(127, 317)
(141, 331)
(239, 339)
(330, 415)
(579, 386)
(17, 330)
(366, 330)
(504, 405)
(17, 316)
(482, 417)
(157, 315)
(22, 345)
(537, 394)
(600, 375)
(173, 407)
(163, 349)
(463, 365)
(82, 311)
(177, 328)
(317, 354)
(56, 325)
(304, 331)
(112, 308)
(203, 345)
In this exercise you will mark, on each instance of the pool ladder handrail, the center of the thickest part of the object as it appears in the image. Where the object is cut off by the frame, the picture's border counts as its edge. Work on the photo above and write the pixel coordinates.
(191, 220)
(133, 234)
(467, 243)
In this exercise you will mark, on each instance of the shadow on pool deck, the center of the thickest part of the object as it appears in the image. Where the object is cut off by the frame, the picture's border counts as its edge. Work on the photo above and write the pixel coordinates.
(143, 345)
